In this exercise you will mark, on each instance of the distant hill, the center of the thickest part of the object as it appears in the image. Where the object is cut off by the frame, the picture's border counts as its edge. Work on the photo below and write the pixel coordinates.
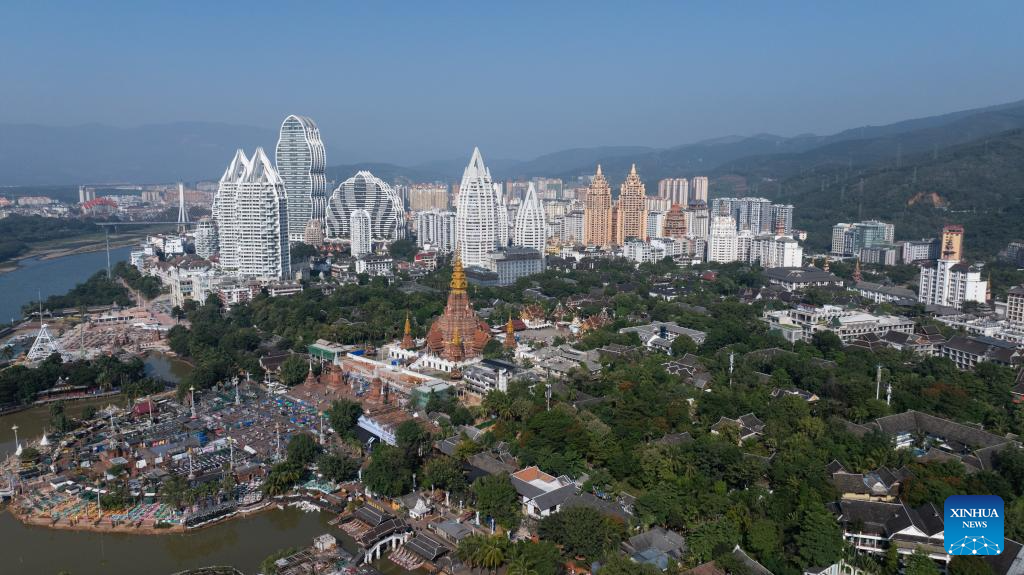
(384, 171)
(979, 185)
(93, 153)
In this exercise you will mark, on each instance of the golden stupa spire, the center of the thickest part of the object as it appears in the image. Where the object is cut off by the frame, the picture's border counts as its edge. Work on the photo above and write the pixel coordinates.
(458, 284)
(510, 333)
(408, 326)
(456, 338)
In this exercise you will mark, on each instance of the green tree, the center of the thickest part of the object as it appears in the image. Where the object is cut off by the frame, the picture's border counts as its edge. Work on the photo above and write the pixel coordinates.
(294, 370)
(387, 473)
(337, 467)
(414, 441)
(920, 564)
(819, 540)
(582, 532)
(496, 497)
(968, 565)
(444, 473)
(303, 449)
(343, 416)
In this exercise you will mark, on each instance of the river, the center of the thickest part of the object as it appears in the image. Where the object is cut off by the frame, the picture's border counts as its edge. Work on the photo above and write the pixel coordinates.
(55, 276)
(241, 542)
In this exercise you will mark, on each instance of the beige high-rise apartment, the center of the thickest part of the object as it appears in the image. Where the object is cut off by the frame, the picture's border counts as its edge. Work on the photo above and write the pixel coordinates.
(699, 189)
(632, 206)
(675, 189)
(597, 212)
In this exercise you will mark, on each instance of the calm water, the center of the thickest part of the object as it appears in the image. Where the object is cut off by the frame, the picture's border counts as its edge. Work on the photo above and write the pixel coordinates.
(49, 277)
(241, 542)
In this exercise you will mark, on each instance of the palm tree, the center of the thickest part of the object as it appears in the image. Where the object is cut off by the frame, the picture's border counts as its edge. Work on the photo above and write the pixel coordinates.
(520, 566)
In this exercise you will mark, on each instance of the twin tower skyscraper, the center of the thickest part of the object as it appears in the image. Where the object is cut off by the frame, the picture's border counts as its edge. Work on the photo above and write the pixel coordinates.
(259, 207)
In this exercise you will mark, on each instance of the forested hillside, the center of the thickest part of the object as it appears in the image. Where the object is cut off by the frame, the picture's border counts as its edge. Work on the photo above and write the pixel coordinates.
(979, 185)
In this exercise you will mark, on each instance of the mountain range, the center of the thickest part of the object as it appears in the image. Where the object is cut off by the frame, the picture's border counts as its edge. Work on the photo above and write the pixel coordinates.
(32, 155)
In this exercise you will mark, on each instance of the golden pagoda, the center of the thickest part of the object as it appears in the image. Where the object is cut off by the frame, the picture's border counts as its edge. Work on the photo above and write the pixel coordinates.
(407, 341)
(458, 332)
(510, 334)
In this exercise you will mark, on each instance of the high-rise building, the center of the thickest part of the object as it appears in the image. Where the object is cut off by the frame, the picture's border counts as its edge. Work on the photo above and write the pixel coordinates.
(751, 214)
(1015, 305)
(436, 229)
(572, 227)
(850, 239)
(781, 220)
(424, 197)
(632, 208)
(531, 227)
(205, 238)
(675, 222)
(597, 212)
(919, 250)
(776, 251)
(949, 281)
(658, 204)
(722, 240)
(364, 191)
(501, 216)
(698, 220)
(252, 218)
(314, 233)
(952, 243)
(676, 190)
(86, 194)
(477, 225)
(361, 232)
(655, 224)
(699, 189)
(301, 161)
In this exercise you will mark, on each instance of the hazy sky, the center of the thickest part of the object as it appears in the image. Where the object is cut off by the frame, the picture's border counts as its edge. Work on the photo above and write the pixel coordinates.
(423, 80)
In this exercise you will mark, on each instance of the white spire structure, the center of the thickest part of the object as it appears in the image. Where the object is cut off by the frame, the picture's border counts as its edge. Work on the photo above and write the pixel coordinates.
(476, 216)
(301, 162)
(531, 226)
(182, 210)
(252, 218)
(45, 345)
(501, 216)
(365, 191)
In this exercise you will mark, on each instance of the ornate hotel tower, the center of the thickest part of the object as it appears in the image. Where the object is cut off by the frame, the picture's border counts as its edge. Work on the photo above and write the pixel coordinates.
(632, 206)
(301, 161)
(476, 219)
(597, 212)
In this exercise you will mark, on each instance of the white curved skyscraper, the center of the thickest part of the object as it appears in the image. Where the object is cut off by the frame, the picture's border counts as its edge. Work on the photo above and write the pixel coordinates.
(531, 226)
(364, 191)
(301, 161)
(205, 238)
(360, 226)
(476, 217)
(252, 218)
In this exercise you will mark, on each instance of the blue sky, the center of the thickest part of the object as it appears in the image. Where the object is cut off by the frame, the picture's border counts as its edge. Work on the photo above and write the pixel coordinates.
(416, 81)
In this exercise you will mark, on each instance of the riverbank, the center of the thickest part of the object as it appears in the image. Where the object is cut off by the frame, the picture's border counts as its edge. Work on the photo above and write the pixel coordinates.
(75, 246)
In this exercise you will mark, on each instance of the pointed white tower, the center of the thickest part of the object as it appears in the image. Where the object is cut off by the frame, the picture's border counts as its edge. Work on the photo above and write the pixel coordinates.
(476, 216)
(182, 210)
(531, 226)
(252, 218)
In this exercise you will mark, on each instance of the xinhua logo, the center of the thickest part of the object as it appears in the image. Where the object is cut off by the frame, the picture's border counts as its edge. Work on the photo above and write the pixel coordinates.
(973, 525)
